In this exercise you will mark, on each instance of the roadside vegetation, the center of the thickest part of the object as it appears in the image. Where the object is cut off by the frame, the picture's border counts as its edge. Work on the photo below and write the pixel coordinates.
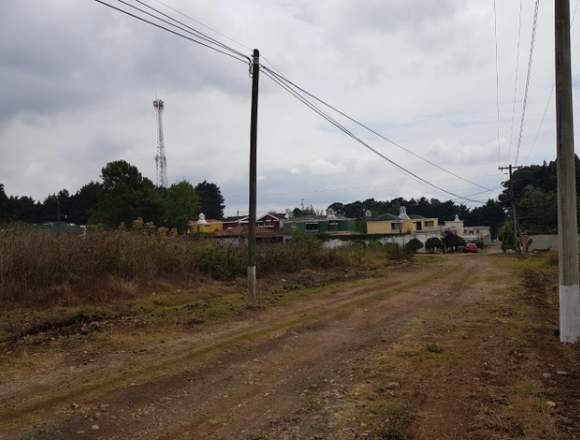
(39, 267)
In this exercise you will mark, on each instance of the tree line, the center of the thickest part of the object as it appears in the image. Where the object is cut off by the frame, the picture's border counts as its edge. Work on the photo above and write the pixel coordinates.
(122, 195)
(535, 195)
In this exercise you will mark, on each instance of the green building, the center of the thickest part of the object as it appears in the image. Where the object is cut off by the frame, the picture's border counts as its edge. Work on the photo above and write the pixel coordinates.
(321, 225)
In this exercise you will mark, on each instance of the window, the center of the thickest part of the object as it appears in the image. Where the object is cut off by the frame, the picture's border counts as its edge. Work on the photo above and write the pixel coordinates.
(312, 226)
(419, 226)
(429, 224)
(396, 227)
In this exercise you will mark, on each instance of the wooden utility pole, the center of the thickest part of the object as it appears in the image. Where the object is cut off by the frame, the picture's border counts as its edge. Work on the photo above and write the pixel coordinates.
(510, 169)
(569, 291)
(253, 178)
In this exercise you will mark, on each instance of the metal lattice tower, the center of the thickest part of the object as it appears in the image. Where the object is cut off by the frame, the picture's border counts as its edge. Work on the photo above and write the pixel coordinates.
(160, 159)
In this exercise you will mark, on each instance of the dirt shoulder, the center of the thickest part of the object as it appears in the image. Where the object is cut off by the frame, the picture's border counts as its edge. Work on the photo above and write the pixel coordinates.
(444, 350)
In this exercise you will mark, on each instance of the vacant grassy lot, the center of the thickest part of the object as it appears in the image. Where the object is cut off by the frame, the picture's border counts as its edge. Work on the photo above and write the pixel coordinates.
(39, 268)
(65, 285)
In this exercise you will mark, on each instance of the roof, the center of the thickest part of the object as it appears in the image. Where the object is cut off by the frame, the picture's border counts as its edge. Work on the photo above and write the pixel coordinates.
(280, 215)
(270, 214)
(384, 217)
(316, 218)
(244, 218)
(234, 218)
(416, 216)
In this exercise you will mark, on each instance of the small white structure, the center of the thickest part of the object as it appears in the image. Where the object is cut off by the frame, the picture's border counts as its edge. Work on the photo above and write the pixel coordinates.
(403, 213)
(201, 219)
(482, 233)
(455, 225)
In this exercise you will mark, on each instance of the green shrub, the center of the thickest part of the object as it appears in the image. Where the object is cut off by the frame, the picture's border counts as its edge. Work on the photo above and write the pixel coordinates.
(506, 236)
(413, 245)
(433, 243)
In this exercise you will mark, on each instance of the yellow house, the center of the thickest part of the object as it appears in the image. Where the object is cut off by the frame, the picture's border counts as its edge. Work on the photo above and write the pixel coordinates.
(401, 224)
(203, 226)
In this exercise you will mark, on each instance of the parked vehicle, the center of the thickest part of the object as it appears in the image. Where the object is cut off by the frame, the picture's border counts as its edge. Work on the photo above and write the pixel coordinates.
(471, 248)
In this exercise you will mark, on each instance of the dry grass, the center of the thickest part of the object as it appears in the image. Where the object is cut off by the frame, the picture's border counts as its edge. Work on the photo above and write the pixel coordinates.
(38, 267)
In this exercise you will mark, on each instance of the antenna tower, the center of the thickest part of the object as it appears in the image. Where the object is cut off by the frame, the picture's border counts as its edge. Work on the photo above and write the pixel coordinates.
(160, 159)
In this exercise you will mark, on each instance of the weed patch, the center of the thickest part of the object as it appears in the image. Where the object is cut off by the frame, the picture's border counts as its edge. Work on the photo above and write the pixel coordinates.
(40, 268)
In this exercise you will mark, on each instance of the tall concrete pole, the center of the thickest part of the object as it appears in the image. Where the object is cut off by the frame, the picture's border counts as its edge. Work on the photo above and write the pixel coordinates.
(253, 178)
(567, 217)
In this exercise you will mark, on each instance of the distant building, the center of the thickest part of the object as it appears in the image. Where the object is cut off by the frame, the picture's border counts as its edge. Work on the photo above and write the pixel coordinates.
(328, 224)
(455, 225)
(238, 225)
(205, 226)
(401, 224)
(482, 233)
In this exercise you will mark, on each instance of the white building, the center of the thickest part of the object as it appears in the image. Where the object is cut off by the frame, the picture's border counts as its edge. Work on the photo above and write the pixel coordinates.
(482, 233)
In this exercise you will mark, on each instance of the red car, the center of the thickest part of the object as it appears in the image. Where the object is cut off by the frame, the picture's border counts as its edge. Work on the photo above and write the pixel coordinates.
(471, 248)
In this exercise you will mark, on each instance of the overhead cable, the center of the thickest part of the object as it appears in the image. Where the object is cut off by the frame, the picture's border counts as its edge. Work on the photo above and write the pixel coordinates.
(516, 80)
(192, 29)
(366, 127)
(346, 131)
(549, 101)
(497, 99)
(528, 75)
(245, 60)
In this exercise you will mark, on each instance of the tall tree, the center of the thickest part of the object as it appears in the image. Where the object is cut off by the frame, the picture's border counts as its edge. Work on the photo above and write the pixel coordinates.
(181, 204)
(211, 201)
(4, 205)
(23, 209)
(126, 195)
(83, 201)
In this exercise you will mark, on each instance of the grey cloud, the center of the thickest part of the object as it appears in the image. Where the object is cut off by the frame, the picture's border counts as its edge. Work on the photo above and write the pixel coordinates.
(71, 54)
(77, 83)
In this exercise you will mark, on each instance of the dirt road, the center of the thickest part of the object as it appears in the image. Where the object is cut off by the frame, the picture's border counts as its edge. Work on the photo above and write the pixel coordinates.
(416, 354)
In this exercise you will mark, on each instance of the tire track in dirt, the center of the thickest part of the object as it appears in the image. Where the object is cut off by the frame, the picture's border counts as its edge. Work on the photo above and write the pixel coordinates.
(263, 386)
(310, 311)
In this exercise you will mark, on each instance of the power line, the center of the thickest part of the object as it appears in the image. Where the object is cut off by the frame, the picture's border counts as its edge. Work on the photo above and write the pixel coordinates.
(212, 29)
(137, 17)
(528, 75)
(346, 131)
(195, 20)
(496, 80)
(194, 31)
(516, 80)
(366, 127)
(480, 193)
(549, 101)
(208, 41)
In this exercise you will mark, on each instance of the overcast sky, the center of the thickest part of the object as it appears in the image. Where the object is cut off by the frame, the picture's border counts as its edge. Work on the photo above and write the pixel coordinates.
(78, 81)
